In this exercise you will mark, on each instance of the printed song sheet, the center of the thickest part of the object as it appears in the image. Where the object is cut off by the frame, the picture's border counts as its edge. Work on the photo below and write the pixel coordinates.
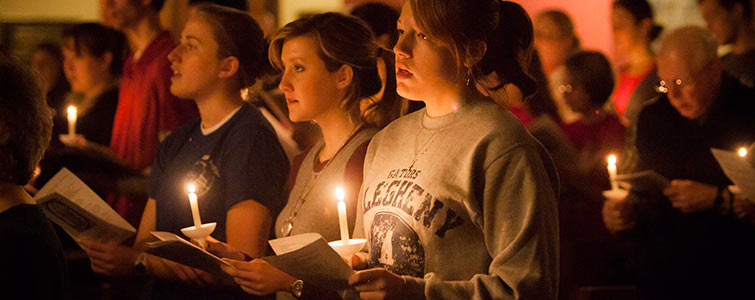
(309, 257)
(739, 170)
(71, 204)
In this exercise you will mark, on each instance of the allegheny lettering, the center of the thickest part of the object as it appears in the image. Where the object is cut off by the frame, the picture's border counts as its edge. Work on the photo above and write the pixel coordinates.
(406, 195)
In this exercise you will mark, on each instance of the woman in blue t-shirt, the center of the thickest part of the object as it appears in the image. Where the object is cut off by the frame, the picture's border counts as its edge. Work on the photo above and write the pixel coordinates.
(231, 155)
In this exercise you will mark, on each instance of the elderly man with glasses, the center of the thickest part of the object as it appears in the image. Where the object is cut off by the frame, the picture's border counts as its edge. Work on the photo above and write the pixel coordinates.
(691, 239)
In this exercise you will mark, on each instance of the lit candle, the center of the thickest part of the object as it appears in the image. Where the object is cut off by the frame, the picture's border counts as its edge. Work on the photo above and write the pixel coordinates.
(342, 216)
(71, 120)
(194, 206)
(612, 172)
(742, 152)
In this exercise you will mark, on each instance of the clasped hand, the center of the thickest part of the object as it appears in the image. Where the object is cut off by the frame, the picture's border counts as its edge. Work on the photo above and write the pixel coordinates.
(691, 196)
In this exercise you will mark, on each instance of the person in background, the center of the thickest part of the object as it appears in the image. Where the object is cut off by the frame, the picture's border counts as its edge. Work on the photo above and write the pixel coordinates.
(385, 105)
(93, 62)
(47, 62)
(445, 188)
(554, 40)
(587, 85)
(147, 112)
(381, 20)
(633, 31)
(230, 154)
(324, 79)
(689, 242)
(32, 263)
(731, 22)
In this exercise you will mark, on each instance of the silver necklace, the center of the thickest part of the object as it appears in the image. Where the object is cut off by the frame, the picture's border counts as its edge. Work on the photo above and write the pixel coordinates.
(417, 152)
(288, 225)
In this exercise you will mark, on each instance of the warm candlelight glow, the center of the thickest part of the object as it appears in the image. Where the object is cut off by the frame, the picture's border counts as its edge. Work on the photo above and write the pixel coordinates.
(612, 160)
(342, 221)
(612, 172)
(194, 205)
(71, 120)
(742, 152)
(340, 194)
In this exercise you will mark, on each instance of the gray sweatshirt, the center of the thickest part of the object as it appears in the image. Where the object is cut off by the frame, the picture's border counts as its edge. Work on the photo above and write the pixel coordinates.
(475, 217)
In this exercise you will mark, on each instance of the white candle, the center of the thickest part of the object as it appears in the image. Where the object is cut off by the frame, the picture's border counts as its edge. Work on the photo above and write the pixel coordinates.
(612, 172)
(194, 206)
(340, 194)
(742, 152)
(71, 120)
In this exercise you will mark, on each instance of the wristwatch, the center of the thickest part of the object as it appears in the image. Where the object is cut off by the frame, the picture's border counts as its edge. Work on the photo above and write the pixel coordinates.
(140, 265)
(296, 287)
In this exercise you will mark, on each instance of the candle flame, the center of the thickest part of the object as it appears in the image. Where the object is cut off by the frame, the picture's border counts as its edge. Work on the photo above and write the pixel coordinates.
(611, 160)
(742, 152)
(191, 188)
(340, 194)
(71, 111)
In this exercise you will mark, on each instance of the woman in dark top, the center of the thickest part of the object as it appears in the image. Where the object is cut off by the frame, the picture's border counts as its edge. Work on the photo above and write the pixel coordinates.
(31, 258)
(92, 60)
(231, 155)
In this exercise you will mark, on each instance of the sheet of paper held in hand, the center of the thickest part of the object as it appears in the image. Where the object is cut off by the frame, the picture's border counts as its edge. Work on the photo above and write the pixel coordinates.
(70, 203)
(738, 169)
(309, 257)
(177, 249)
(647, 181)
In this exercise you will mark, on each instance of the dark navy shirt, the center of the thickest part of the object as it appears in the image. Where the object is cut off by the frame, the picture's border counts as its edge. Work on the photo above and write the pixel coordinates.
(241, 160)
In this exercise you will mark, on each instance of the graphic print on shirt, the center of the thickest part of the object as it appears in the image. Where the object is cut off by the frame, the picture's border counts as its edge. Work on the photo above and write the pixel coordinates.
(402, 208)
(203, 175)
(395, 246)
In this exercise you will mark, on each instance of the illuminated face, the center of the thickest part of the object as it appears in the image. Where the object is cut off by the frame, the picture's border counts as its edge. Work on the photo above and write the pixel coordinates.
(425, 70)
(551, 44)
(575, 95)
(311, 90)
(195, 61)
(627, 34)
(83, 70)
(691, 90)
(719, 21)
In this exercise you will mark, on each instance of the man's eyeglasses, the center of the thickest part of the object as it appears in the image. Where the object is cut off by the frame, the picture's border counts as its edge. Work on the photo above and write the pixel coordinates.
(664, 86)
(565, 88)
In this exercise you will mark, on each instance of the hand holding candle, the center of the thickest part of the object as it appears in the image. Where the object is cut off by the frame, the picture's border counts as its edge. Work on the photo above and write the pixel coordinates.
(71, 120)
(612, 172)
(343, 222)
(194, 205)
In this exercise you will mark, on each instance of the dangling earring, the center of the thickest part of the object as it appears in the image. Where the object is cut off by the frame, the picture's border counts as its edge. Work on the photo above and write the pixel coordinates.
(468, 82)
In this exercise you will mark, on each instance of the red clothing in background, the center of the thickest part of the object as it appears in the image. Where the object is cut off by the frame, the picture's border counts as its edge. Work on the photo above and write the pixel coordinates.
(145, 109)
(595, 142)
(625, 87)
(145, 105)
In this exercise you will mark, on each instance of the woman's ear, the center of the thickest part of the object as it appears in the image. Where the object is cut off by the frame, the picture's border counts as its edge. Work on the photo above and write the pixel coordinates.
(344, 76)
(476, 52)
(229, 66)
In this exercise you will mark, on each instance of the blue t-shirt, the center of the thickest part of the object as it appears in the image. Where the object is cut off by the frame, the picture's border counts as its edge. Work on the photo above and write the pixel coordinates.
(241, 160)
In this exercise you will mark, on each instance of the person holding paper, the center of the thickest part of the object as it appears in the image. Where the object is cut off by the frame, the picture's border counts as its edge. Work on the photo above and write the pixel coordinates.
(458, 198)
(329, 63)
(689, 243)
(231, 155)
(31, 257)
